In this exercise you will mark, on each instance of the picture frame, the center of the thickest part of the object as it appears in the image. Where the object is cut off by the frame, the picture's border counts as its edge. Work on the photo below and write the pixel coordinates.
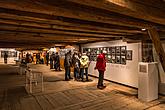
(117, 50)
(109, 58)
(98, 51)
(85, 50)
(113, 49)
(105, 50)
(118, 59)
(123, 60)
(123, 50)
(93, 51)
(129, 55)
(109, 50)
(113, 59)
(91, 58)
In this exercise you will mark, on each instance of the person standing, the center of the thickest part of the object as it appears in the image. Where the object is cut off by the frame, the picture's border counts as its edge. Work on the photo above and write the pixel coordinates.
(38, 58)
(47, 58)
(5, 58)
(67, 65)
(76, 65)
(84, 63)
(51, 60)
(57, 62)
(100, 66)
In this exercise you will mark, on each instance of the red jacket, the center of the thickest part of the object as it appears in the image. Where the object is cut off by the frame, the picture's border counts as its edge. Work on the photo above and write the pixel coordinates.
(101, 63)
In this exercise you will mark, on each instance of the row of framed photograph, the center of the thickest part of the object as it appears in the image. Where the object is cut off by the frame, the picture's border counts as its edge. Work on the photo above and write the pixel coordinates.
(118, 50)
(116, 54)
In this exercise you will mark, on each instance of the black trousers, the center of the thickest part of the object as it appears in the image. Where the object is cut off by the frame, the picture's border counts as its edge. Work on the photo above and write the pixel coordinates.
(101, 77)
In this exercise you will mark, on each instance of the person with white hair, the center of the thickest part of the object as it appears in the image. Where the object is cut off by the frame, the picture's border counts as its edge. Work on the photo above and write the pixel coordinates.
(84, 63)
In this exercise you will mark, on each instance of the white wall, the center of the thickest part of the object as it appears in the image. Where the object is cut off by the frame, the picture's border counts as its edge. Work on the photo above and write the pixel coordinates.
(125, 74)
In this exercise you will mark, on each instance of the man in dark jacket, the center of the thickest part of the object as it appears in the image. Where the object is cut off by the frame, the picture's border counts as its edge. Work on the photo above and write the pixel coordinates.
(57, 62)
(101, 65)
(67, 65)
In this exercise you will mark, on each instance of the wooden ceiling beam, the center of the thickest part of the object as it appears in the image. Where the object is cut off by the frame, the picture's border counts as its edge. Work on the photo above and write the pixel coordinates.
(69, 34)
(57, 13)
(47, 23)
(148, 10)
(53, 29)
(46, 38)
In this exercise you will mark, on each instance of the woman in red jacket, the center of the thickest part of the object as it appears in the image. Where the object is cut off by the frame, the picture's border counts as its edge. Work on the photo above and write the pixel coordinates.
(101, 65)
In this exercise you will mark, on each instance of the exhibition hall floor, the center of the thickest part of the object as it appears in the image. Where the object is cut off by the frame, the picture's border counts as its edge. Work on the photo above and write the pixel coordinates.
(67, 95)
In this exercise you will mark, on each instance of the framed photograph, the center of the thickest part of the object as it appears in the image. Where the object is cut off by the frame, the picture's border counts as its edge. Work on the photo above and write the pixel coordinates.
(95, 58)
(113, 49)
(93, 51)
(89, 49)
(118, 50)
(85, 50)
(98, 51)
(118, 59)
(109, 59)
(123, 50)
(123, 60)
(88, 54)
(129, 55)
(91, 58)
(109, 50)
(113, 59)
(105, 50)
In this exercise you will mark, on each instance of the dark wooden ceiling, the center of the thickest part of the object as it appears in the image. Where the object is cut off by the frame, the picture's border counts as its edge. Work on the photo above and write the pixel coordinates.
(43, 23)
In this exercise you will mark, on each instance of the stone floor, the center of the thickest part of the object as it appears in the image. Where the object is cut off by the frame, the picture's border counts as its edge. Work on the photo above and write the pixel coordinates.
(67, 95)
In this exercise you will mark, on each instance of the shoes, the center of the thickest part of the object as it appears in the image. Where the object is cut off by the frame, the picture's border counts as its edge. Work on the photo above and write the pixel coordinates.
(101, 87)
(66, 79)
(70, 78)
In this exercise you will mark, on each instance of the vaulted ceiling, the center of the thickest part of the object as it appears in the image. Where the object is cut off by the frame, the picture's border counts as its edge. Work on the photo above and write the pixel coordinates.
(43, 23)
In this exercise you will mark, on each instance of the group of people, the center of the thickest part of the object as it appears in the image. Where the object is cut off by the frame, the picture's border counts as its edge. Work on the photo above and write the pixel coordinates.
(54, 61)
(39, 58)
(81, 64)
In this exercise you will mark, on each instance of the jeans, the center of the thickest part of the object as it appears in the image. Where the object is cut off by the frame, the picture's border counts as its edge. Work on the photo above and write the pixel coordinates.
(82, 73)
(67, 73)
(76, 73)
(101, 77)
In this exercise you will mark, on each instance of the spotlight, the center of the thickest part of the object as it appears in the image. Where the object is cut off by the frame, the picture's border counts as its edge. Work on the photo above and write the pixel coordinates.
(143, 29)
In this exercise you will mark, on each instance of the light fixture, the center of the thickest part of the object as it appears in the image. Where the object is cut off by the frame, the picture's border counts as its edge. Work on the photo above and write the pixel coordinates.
(143, 29)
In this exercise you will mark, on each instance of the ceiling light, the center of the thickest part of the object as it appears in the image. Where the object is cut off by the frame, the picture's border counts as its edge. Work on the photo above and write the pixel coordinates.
(143, 29)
